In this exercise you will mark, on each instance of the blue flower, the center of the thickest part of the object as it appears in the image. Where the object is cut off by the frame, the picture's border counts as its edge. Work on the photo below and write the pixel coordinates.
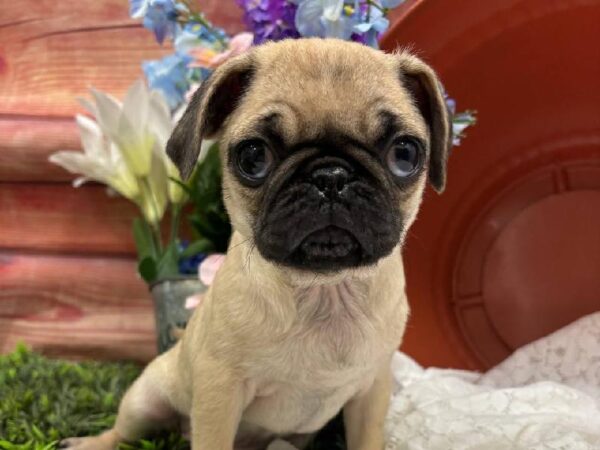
(189, 265)
(160, 16)
(170, 76)
(389, 4)
(138, 8)
(324, 18)
(373, 27)
(194, 35)
(460, 121)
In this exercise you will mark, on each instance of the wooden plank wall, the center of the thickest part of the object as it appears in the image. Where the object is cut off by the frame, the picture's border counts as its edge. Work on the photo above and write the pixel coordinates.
(68, 285)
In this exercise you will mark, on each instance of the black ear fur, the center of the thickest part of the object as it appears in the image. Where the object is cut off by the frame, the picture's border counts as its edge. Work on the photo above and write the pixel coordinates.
(210, 106)
(427, 92)
(184, 144)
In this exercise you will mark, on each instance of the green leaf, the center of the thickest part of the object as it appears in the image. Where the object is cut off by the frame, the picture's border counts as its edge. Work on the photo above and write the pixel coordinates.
(37, 433)
(147, 269)
(209, 218)
(168, 265)
(200, 246)
(144, 242)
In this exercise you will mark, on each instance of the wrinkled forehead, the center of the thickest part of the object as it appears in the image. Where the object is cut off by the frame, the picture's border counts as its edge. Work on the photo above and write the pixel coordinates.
(313, 97)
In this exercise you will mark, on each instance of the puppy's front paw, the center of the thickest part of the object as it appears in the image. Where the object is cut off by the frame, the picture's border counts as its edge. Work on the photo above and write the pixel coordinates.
(106, 441)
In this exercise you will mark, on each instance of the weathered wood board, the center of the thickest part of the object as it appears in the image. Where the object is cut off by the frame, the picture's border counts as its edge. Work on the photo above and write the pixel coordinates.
(68, 284)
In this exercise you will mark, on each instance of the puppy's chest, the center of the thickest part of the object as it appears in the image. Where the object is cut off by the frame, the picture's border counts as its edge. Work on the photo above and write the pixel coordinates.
(331, 353)
(334, 345)
(336, 327)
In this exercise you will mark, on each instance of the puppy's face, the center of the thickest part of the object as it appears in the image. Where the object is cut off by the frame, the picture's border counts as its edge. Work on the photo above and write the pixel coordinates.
(326, 147)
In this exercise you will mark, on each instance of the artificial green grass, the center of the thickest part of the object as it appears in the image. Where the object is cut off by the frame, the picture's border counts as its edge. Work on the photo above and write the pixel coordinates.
(43, 401)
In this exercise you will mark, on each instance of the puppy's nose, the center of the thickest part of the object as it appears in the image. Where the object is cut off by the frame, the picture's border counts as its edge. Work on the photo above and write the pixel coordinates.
(330, 179)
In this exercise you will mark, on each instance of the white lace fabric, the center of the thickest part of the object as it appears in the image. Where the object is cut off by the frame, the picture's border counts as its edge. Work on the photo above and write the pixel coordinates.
(544, 396)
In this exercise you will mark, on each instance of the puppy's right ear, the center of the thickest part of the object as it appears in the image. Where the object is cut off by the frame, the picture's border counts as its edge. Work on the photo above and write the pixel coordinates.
(210, 106)
(426, 90)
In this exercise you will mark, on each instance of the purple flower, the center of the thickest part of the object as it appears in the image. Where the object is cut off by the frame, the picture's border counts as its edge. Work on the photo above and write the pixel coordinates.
(270, 20)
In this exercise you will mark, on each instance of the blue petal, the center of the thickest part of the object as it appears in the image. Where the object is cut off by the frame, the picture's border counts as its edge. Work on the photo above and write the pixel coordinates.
(332, 9)
(451, 105)
(362, 27)
(160, 17)
(381, 24)
(391, 3)
(308, 18)
(170, 76)
(194, 35)
(371, 39)
(340, 29)
(138, 8)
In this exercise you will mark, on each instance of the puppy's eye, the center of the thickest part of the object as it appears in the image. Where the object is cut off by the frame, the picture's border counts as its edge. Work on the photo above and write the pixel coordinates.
(404, 157)
(254, 160)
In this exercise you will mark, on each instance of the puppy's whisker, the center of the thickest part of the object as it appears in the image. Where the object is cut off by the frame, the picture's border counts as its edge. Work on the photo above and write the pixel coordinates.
(239, 243)
(313, 282)
(248, 256)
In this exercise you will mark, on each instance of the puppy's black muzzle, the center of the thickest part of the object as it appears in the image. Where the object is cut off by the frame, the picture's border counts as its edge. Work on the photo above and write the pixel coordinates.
(329, 215)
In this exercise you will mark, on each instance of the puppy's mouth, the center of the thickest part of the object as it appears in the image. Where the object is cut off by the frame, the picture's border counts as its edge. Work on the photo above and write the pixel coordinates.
(326, 249)
(329, 215)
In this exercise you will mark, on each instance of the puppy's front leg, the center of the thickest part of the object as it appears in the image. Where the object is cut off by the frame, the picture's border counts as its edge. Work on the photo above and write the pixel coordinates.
(217, 408)
(364, 415)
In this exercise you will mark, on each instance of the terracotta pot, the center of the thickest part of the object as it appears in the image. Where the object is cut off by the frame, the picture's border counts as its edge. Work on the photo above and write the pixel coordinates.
(169, 306)
(511, 251)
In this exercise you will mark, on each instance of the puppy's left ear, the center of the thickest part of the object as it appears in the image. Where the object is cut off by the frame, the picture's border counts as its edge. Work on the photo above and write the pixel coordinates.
(209, 108)
(427, 93)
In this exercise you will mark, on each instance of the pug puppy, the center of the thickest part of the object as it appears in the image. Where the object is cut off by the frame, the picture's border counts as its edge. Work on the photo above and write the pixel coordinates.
(326, 148)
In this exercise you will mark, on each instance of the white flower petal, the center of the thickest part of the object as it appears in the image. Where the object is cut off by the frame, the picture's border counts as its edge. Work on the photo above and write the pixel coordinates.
(158, 101)
(135, 105)
(332, 9)
(154, 196)
(108, 112)
(159, 118)
(136, 146)
(80, 164)
(204, 148)
(123, 181)
(79, 181)
(176, 192)
(88, 106)
(91, 136)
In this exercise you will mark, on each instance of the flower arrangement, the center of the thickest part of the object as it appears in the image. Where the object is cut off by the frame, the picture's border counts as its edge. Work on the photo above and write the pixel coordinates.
(124, 142)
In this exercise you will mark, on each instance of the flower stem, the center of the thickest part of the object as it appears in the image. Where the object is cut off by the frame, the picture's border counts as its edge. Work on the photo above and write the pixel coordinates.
(379, 7)
(155, 226)
(193, 16)
(175, 220)
(202, 21)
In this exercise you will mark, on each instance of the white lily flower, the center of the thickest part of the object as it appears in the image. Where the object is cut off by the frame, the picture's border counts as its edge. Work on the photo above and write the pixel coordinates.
(161, 123)
(155, 188)
(125, 148)
(126, 124)
(99, 161)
